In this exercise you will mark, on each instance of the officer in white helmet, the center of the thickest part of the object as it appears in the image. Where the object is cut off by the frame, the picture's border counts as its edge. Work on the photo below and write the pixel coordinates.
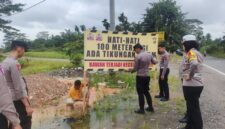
(192, 81)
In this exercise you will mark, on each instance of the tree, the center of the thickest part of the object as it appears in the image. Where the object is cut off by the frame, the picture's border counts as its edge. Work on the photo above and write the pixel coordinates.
(94, 28)
(7, 8)
(41, 41)
(165, 16)
(106, 24)
(75, 51)
(45, 41)
(208, 39)
(13, 35)
(223, 43)
(43, 35)
(39, 44)
(195, 27)
(83, 28)
(77, 29)
(136, 27)
(124, 24)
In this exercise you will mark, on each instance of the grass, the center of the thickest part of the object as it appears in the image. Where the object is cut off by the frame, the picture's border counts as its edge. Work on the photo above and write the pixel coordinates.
(125, 102)
(1, 58)
(47, 54)
(175, 58)
(39, 66)
(177, 101)
(219, 54)
(108, 110)
(36, 66)
(112, 79)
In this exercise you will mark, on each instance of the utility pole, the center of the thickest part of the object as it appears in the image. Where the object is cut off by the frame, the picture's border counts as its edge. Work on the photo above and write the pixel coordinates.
(112, 15)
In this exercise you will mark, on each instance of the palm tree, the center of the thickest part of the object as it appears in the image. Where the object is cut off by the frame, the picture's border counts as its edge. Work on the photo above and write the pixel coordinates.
(106, 24)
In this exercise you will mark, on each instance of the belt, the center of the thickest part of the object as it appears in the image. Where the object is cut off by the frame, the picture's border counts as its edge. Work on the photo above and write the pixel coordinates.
(163, 68)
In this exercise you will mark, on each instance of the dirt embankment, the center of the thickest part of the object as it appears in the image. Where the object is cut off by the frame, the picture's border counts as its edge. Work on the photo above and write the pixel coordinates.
(45, 89)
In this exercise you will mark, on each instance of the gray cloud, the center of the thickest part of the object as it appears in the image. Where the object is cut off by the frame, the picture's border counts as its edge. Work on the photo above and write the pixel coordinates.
(56, 15)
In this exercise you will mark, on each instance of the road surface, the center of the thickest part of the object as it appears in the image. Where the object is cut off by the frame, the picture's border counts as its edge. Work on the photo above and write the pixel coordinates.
(213, 97)
(48, 59)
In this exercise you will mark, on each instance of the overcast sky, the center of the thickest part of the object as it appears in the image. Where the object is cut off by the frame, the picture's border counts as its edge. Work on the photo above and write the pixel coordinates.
(56, 15)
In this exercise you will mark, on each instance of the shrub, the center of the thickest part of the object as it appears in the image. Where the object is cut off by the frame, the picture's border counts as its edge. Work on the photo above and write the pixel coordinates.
(1, 58)
(24, 62)
(76, 59)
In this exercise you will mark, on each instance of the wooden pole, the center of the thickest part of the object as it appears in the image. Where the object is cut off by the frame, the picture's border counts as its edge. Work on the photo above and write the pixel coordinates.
(86, 92)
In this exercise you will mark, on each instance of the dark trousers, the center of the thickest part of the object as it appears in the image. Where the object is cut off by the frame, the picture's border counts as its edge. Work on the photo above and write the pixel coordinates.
(142, 86)
(163, 84)
(185, 115)
(3, 122)
(25, 121)
(192, 95)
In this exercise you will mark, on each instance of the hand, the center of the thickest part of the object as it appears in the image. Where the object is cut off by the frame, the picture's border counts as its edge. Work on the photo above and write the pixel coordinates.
(85, 82)
(29, 111)
(17, 127)
(162, 77)
(187, 77)
(154, 54)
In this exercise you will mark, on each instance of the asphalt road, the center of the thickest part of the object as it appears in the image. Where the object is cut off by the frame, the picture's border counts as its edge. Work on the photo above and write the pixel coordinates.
(213, 96)
(216, 63)
(48, 59)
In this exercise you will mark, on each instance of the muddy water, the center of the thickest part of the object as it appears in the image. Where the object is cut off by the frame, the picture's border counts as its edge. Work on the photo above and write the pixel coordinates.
(48, 118)
(114, 112)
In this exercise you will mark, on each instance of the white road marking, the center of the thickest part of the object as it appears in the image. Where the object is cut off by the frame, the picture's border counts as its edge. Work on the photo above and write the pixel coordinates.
(214, 69)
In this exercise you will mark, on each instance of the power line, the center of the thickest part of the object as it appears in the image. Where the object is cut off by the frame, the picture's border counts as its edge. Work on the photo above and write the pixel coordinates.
(34, 5)
(28, 8)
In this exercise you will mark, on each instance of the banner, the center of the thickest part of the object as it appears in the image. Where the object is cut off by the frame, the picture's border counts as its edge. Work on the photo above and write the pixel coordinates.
(114, 51)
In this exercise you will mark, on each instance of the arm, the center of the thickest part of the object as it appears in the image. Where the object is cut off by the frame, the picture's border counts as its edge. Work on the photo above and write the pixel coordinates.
(165, 64)
(69, 93)
(19, 86)
(136, 64)
(192, 59)
(20, 89)
(11, 116)
(193, 67)
(181, 70)
(8, 109)
(154, 60)
(6, 104)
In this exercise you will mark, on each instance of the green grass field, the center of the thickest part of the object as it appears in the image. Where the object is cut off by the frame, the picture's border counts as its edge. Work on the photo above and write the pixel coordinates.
(37, 66)
(47, 54)
(219, 54)
(1, 57)
(40, 66)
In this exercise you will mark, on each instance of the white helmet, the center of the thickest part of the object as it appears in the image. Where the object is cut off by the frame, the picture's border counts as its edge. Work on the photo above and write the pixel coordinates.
(189, 38)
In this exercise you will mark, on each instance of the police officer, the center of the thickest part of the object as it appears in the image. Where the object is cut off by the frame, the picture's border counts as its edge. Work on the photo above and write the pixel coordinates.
(16, 83)
(164, 73)
(142, 62)
(192, 81)
(7, 109)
